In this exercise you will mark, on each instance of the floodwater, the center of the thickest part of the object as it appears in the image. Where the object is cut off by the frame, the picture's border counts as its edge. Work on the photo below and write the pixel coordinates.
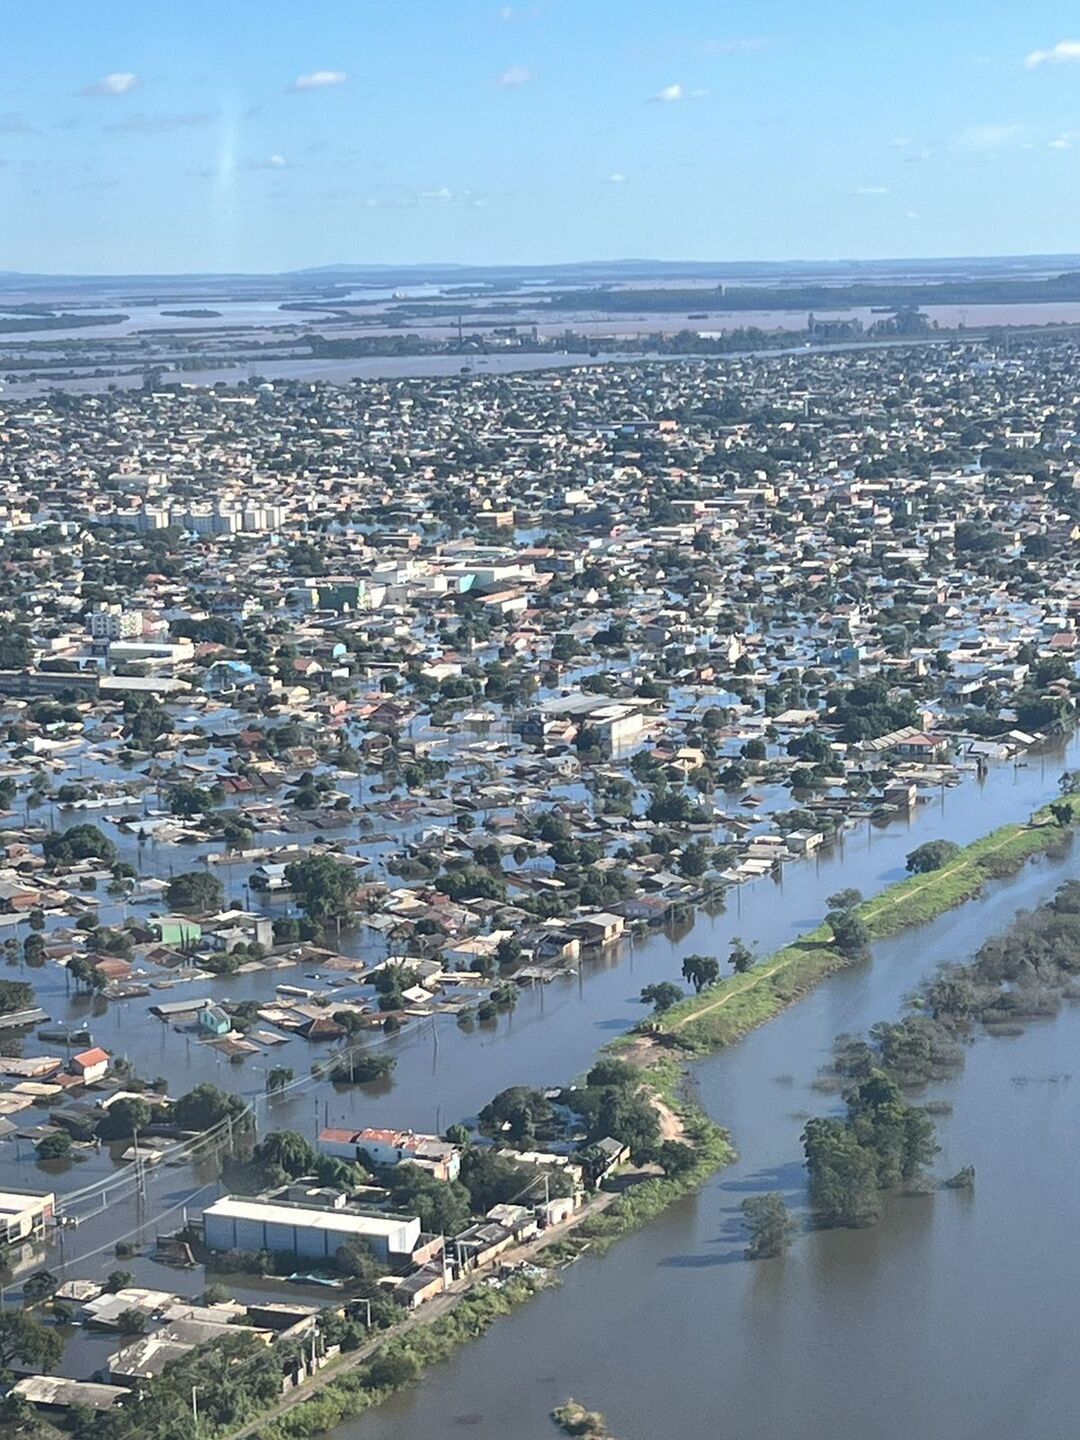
(444, 1072)
(952, 1318)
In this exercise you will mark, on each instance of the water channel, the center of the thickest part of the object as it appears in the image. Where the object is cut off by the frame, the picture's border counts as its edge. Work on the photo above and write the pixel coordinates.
(950, 1318)
(688, 1264)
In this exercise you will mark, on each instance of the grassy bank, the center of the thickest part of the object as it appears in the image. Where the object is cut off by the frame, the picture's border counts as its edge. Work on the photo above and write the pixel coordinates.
(717, 1017)
(399, 1361)
(738, 1003)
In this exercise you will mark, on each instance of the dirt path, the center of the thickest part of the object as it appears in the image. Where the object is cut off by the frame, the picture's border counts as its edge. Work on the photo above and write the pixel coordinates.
(671, 1127)
(752, 977)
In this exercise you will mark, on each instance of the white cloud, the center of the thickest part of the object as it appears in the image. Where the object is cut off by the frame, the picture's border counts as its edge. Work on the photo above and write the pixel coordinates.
(900, 143)
(1065, 52)
(668, 94)
(514, 77)
(120, 82)
(319, 80)
(404, 197)
(616, 178)
(278, 161)
(1064, 141)
(987, 137)
(871, 190)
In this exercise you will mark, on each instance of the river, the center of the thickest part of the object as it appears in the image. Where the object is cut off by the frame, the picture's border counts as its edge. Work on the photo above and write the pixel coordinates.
(444, 1073)
(951, 1317)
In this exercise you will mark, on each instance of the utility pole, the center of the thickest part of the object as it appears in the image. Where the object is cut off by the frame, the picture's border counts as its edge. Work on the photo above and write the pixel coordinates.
(195, 1407)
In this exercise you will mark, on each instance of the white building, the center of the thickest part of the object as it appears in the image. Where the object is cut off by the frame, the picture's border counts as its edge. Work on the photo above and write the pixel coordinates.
(113, 622)
(23, 1215)
(394, 1147)
(306, 1230)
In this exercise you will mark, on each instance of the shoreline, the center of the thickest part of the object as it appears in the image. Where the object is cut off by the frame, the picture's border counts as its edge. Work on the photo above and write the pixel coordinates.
(736, 1005)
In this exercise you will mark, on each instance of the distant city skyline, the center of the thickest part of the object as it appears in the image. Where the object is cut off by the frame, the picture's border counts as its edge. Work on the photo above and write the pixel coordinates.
(156, 138)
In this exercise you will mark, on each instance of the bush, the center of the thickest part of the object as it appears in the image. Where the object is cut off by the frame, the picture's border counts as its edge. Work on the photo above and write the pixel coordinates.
(931, 856)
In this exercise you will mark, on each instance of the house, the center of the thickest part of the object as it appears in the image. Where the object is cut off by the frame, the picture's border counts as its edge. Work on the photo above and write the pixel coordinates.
(394, 1147)
(555, 1211)
(90, 1065)
(480, 1244)
(605, 1156)
(23, 1215)
(214, 1020)
(421, 1285)
(51, 1392)
(600, 928)
(902, 794)
(520, 1220)
(176, 930)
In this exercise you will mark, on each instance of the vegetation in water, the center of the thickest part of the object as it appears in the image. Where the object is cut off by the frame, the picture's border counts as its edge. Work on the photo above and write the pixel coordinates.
(574, 1419)
(771, 1227)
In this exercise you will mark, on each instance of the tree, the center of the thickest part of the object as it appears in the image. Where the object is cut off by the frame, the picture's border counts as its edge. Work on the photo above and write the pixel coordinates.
(80, 842)
(844, 900)
(15, 995)
(392, 1370)
(811, 747)
(674, 1158)
(694, 860)
(24, 1338)
(133, 1321)
(204, 1107)
(187, 799)
(740, 956)
(125, 1117)
(85, 973)
(443, 1206)
(625, 1117)
(494, 1178)
(611, 1072)
(56, 1146)
(118, 1280)
(843, 1175)
(353, 1067)
(40, 1286)
(357, 1260)
(851, 935)
(771, 1227)
(279, 1077)
(195, 890)
(471, 882)
(661, 996)
(1062, 812)
(324, 887)
(700, 971)
(931, 856)
(517, 1112)
(286, 1150)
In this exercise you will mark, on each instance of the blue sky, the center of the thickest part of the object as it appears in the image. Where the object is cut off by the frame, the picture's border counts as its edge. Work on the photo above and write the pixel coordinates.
(184, 135)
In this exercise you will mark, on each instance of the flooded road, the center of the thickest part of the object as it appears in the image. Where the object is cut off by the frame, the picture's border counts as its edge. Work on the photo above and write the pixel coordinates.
(445, 1072)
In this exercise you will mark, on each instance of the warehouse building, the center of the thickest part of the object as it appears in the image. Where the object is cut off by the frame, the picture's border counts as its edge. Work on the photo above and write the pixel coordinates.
(312, 1232)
